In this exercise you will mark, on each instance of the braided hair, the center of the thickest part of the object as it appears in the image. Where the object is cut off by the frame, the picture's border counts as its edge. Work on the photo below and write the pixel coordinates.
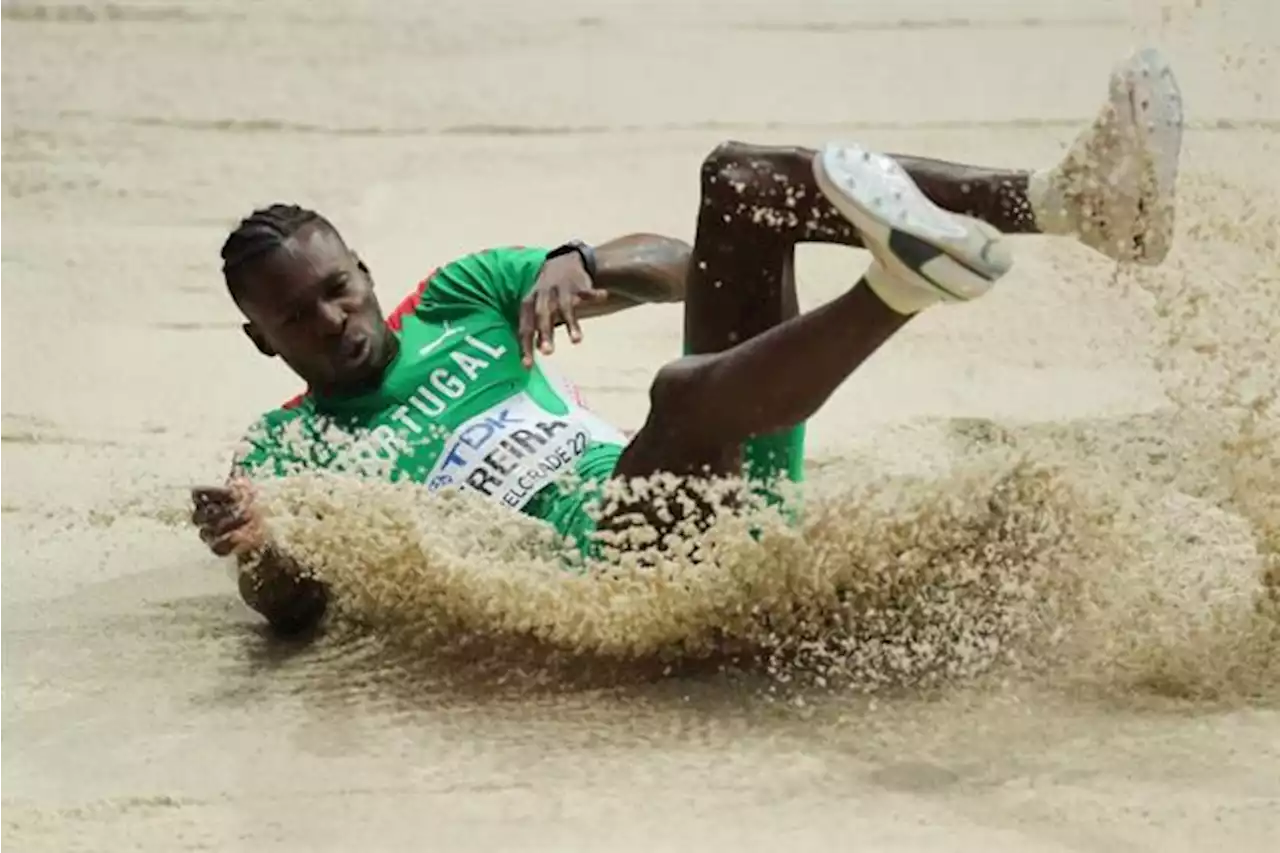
(263, 231)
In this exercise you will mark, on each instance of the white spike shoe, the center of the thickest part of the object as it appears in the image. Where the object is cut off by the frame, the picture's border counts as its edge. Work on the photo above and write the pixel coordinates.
(1115, 190)
(924, 254)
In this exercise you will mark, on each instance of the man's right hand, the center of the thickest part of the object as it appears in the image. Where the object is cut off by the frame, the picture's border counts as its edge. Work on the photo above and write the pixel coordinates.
(227, 519)
(270, 582)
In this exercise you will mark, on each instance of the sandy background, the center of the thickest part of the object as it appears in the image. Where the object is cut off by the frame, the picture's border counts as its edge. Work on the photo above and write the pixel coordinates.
(142, 708)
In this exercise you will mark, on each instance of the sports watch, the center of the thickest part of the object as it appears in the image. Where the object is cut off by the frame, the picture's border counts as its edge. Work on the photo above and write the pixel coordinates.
(582, 250)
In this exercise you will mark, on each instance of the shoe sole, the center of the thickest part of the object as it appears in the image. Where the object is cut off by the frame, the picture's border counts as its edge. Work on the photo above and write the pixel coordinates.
(1146, 92)
(955, 256)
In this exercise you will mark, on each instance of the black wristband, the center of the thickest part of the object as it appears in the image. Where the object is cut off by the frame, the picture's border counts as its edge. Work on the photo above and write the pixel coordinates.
(582, 250)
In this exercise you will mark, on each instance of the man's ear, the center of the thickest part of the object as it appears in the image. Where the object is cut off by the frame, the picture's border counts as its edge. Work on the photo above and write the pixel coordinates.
(258, 340)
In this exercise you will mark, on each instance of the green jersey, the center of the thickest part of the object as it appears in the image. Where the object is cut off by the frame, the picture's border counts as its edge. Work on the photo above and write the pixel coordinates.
(456, 409)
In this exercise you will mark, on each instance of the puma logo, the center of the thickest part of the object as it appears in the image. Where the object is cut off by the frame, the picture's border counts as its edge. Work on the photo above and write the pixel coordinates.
(449, 332)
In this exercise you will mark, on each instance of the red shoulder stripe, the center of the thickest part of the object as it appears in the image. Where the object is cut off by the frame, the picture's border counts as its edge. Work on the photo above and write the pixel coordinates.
(409, 304)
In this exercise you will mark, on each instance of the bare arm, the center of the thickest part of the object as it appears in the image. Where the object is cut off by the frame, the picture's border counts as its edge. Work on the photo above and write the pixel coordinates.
(276, 587)
(639, 269)
(270, 582)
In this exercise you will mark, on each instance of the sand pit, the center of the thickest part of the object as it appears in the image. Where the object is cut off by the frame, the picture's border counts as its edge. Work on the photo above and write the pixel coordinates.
(1025, 609)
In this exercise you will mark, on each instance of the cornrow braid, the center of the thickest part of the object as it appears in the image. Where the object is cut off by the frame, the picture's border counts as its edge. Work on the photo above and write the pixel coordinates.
(262, 231)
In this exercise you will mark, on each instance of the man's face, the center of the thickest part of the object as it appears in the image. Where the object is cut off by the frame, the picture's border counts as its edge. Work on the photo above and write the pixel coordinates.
(311, 302)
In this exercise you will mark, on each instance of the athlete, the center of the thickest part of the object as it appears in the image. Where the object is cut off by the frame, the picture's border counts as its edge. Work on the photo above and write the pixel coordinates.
(448, 391)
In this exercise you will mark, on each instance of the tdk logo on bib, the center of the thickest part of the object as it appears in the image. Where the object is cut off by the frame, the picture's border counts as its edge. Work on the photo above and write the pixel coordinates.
(510, 452)
(475, 436)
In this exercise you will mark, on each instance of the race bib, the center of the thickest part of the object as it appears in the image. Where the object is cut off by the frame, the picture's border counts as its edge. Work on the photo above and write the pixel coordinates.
(513, 450)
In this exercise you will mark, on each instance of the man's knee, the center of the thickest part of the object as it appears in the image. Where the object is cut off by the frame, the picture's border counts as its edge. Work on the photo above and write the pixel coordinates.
(724, 156)
(725, 165)
(675, 396)
(752, 186)
(681, 435)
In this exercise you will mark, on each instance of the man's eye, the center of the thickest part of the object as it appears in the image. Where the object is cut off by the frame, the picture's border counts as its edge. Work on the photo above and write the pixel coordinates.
(337, 287)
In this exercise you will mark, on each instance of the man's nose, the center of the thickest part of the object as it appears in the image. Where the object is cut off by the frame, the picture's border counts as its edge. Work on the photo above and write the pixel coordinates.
(330, 319)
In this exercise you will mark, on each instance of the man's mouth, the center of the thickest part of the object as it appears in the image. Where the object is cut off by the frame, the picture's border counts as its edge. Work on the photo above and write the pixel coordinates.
(354, 351)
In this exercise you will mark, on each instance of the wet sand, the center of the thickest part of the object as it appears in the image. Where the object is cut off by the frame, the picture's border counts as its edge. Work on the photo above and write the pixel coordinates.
(144, 709)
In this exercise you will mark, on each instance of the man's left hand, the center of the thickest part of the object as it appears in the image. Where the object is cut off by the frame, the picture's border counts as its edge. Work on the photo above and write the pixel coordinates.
(563, 286)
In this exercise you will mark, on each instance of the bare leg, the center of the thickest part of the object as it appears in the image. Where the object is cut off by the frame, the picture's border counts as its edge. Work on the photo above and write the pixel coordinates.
(757, 204)
(1114, 191)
